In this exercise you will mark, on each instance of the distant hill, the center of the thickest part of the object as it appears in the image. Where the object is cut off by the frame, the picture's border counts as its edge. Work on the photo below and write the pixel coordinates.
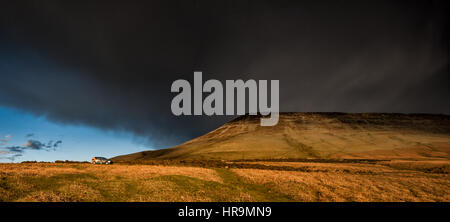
(317, 135)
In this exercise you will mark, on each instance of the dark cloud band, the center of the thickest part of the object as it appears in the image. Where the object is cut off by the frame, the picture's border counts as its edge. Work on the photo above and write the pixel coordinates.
(110, 65)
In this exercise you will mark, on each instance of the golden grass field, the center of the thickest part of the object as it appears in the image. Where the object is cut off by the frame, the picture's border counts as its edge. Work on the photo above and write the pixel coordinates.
(306, 157)
(397, 180)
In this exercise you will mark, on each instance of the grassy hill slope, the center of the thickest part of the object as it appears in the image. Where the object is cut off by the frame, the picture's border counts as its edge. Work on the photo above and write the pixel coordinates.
(317, 135)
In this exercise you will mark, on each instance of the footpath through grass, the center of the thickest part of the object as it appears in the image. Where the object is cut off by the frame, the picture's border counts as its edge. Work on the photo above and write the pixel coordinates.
(232, 188)
(256, 191)
(89, 185)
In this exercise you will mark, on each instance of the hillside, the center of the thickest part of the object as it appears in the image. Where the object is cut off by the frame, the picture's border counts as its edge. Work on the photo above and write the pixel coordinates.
(318, 135)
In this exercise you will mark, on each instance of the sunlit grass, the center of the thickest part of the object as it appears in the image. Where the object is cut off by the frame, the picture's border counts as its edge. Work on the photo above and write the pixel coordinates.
(383, 181)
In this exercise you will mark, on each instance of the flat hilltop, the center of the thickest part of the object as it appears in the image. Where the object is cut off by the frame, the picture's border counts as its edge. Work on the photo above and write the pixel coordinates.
(317, 136)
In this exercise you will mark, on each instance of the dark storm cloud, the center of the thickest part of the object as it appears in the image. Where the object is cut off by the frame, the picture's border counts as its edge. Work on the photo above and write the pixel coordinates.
(110, 64)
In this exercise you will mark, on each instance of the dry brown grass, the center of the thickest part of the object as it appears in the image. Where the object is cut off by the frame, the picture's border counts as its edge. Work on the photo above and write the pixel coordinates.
(129, 171)
(85, 182)
(399, 180)
(355, 168)
(355, 182)
(428, 166)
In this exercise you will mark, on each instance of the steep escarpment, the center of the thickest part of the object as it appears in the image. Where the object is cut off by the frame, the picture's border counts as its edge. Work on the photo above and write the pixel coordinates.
(317, 135)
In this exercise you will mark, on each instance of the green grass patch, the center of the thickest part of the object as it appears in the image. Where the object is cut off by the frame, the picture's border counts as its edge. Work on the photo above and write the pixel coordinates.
(233, 188)
(20, 187)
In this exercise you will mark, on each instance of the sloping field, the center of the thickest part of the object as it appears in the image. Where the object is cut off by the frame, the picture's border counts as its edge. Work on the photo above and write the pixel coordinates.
(319, 136)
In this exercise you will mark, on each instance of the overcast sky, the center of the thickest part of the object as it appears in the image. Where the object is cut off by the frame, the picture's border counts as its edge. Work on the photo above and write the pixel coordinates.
(108, 65)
